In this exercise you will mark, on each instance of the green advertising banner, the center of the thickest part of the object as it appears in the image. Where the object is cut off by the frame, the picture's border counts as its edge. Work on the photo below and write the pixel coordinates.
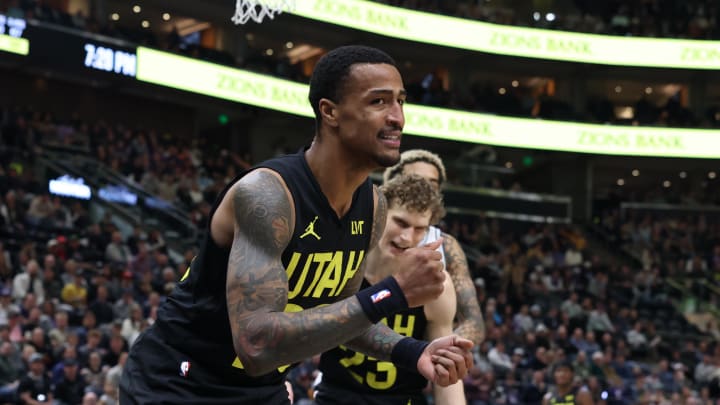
(20, 46)
(227, 83)
(512, 41)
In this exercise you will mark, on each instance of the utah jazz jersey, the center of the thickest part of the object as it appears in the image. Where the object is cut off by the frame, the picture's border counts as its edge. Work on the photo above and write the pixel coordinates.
(373, 381)
(567, 399)
(188, 352)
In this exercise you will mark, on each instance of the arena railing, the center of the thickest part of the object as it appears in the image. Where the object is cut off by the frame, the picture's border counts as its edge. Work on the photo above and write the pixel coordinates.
(146, 209)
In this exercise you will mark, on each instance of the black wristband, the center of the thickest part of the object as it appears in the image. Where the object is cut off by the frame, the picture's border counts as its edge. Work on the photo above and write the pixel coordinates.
(407, 352)
(382, 299)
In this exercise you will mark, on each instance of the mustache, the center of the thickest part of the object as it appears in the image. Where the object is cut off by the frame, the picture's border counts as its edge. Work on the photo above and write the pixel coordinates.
(391, 128)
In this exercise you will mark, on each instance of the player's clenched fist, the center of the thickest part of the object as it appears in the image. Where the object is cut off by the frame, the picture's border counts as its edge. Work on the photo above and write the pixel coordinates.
(420, 273)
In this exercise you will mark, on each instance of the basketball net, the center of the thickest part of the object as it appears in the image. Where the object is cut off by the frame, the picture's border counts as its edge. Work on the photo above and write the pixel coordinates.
(257, 10)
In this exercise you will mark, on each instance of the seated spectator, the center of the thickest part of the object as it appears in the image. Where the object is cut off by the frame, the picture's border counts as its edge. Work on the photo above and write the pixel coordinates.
(598, 320)
(70, 389)
(28, 282)
(571, 306)
(94, 373)
(112, 378)
(35, 386)
(637, 340)
(92, 345)
(499, 359)
(74, 293)
(133, 324)
(705, 370)
(474, 384)
(103, 310)
(533, 391)
(9, 374)
(117, 251)
(41, 211)
(622, 368)
(522, 321)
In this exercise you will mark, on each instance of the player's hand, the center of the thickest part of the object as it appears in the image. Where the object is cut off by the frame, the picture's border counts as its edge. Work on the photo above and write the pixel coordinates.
(420, 273)
(446, 360)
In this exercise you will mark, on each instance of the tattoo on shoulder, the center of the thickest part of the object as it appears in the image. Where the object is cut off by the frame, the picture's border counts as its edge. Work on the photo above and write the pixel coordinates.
(263, 210)
(262, 213)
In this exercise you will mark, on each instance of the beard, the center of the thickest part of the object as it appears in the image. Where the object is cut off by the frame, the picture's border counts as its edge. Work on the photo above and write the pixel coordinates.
(388, 160)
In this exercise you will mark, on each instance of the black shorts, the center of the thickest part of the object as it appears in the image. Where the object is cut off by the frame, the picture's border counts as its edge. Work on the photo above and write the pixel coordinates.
(152, 376)
(327, 394)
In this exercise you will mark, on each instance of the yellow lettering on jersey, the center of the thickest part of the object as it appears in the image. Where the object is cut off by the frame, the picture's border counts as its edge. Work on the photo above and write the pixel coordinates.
(355, 360)
(356, 227)
(323, 274)
(404, 328)
(385, 369)
(321, 259)
(291, 269)
(350, 270)
(331, 277)
(384, 376)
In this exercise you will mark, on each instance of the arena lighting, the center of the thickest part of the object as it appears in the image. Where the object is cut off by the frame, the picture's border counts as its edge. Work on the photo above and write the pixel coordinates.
(20, 46)
(68, 186)
(11, 31)
(512, 41)
(290, 97)
(117, 194)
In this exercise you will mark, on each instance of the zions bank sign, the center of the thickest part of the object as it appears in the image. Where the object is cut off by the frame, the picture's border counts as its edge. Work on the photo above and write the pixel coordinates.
(290, 97)
(505, 40)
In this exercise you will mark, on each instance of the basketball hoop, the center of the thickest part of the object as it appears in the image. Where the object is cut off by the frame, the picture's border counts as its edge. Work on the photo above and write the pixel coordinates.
(257, 10)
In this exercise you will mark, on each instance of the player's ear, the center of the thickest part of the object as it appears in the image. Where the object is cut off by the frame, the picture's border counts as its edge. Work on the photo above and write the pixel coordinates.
(328, 111)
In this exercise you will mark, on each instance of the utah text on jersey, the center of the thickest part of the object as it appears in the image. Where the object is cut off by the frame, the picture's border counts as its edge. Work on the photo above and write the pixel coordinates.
(322, 274)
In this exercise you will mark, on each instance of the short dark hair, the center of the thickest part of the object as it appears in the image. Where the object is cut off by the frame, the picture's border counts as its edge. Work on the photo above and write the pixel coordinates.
(564, 364)
(334, 67)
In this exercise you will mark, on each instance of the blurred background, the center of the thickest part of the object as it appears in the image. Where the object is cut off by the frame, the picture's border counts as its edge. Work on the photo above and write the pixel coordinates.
(609, 258)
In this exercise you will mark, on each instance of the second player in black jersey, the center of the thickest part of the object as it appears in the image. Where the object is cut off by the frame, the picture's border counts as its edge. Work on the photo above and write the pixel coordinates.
(566, 391)
(349, 377)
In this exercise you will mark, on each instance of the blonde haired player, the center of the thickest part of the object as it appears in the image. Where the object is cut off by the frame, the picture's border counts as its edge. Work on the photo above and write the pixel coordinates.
(349, 377)
(430, 166)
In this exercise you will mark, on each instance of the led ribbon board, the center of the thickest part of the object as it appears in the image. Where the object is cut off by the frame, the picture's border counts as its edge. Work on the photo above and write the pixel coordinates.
(512, 41)
(20, 46)
(11, 31)
(238, 85)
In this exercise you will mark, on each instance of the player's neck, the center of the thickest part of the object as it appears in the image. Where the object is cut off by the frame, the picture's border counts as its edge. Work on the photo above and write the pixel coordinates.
(564, 390)
(337, 176)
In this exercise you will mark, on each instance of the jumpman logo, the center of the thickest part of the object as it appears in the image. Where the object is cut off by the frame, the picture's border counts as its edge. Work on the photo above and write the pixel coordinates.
(310, 230)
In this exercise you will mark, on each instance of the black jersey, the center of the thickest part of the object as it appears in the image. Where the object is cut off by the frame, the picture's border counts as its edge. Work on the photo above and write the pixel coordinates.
(567, 399)
(343, 368)
(188, 352)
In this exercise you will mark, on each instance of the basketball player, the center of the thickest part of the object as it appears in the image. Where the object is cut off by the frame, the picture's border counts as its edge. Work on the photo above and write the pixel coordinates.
(352, 378)
(277, 277)
(566, 392)
(429, 165)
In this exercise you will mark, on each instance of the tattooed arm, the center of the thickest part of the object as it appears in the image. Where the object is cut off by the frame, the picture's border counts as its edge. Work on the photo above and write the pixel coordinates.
(471, 325)
(259, 206)
(264, 336)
